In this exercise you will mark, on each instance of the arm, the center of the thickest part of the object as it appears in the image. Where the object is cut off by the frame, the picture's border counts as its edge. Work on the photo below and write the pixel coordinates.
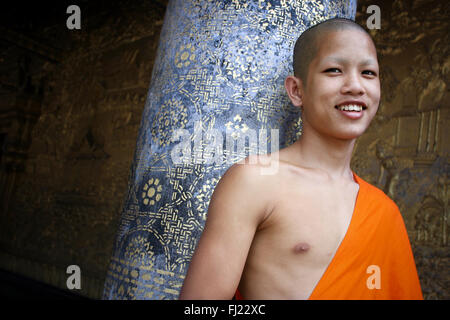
(236, 209)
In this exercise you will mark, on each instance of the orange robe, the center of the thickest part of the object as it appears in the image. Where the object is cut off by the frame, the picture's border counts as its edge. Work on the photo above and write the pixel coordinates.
(374, 260)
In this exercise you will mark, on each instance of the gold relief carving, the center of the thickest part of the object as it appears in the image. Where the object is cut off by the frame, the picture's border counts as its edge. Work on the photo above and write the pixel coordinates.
(432, 216)
(388, 167)
(428, 220)
(416, 104)
(407, 134)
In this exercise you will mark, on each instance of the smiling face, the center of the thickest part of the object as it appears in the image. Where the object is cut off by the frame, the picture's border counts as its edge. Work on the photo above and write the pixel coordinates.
(342, 90)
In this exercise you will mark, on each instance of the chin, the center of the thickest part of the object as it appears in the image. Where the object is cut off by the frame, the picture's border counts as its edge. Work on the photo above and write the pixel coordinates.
(350, 135)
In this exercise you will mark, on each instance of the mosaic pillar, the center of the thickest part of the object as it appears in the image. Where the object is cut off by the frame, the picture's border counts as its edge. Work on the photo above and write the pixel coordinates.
(217, 82)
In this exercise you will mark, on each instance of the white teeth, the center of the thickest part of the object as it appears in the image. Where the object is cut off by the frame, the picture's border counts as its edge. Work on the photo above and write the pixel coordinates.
(351, 107)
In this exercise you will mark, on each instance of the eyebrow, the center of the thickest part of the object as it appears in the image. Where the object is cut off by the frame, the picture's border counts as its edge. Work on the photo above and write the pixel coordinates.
(340, 60)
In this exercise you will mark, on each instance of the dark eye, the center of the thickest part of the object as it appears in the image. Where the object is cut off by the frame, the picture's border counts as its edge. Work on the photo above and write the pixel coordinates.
(333, 70)
(369, 72)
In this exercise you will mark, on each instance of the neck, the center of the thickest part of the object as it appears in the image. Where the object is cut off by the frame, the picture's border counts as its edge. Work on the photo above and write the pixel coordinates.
(327, 154)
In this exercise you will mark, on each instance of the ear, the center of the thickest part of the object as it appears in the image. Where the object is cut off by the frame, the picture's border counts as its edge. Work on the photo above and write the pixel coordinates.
(294, 90)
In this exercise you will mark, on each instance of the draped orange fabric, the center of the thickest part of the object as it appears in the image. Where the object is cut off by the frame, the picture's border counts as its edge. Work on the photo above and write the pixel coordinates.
(374, 260)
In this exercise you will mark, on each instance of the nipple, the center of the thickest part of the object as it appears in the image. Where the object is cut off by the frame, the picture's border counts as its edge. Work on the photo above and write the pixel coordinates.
(301, 247)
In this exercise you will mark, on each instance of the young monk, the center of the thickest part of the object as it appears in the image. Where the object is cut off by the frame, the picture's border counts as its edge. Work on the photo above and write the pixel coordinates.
(314, 229)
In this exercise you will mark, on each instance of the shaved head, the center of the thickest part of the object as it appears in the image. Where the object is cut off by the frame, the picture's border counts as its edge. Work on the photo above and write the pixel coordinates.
(307, 44)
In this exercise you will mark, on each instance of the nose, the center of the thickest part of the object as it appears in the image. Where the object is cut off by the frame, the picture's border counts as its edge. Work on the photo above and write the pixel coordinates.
(352, 84)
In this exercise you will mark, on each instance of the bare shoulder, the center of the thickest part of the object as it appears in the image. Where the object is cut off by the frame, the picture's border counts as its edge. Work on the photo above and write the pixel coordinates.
(253, 173)
(246, 184)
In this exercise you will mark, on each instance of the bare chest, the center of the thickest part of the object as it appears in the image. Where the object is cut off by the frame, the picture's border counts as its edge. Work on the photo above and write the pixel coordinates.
(307, 226)
(293, 247)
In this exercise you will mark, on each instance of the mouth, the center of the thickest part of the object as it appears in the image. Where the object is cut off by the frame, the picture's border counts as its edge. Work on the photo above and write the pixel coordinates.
(351, 106)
